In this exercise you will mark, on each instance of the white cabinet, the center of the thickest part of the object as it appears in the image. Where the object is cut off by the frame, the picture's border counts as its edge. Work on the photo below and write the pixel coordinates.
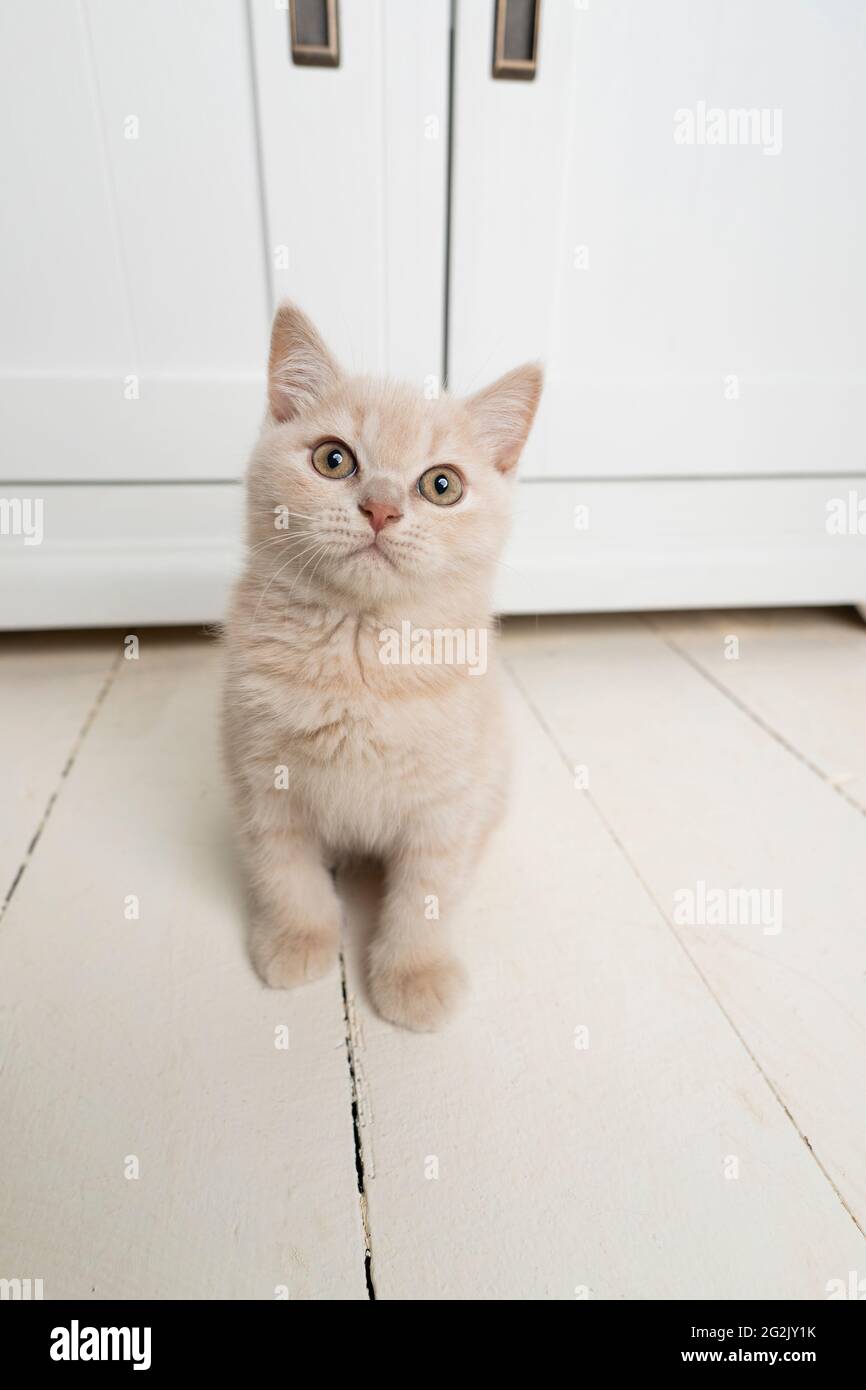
(700, 306)
(670, 214)
(354, 179)
(133, 286)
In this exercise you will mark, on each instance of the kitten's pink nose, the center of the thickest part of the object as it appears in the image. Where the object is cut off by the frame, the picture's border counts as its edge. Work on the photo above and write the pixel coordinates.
(379, 513)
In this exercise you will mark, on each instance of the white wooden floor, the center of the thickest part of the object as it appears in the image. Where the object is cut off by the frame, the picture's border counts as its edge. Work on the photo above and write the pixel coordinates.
(629, 1107)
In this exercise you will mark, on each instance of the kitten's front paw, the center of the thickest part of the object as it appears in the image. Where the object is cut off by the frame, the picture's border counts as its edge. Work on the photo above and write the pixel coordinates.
(286, 959)
(421, 997)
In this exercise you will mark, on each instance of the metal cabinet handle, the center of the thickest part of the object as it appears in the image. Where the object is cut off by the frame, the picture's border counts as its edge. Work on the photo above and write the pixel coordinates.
(515, 39)
(315, 33)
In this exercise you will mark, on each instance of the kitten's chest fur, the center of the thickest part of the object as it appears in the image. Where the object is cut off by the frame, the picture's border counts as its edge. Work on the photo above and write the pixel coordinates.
(364, 741)
(331, 695)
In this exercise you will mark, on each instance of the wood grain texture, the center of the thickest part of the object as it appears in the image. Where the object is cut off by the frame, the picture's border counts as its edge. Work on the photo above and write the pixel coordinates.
(697, 792)
(566, 1171)
(152, 1038)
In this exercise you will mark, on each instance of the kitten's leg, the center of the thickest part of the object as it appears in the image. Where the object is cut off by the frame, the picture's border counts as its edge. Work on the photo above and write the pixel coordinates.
(295, 932)
(415, 979)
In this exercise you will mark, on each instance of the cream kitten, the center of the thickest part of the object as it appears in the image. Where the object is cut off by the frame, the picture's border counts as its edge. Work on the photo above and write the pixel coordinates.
(372, 512)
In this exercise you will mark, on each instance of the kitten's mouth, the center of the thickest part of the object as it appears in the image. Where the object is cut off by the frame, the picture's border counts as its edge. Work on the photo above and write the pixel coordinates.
(375, 552)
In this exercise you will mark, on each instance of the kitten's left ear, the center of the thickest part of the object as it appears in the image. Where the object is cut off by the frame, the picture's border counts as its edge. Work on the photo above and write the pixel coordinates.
(503, 413)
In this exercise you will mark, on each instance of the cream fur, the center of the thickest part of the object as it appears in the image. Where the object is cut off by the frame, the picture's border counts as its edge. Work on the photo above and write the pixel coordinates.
(405, 762)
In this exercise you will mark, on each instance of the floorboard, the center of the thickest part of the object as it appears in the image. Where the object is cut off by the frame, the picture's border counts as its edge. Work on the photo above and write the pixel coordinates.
(50, 686)
(505, 1159)
(697, 793)
(800, 672)
(156, 1143)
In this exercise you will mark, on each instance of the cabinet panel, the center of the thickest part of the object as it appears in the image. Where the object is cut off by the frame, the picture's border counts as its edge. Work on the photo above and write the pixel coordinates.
(355, 172)
(174, 85)
(62, 298)
(169, 171)
(133, 287)
(669, 215)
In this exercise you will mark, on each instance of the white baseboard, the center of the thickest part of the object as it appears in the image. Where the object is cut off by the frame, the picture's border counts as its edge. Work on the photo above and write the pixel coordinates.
(118, 555)
(129, 555)
(681, 543)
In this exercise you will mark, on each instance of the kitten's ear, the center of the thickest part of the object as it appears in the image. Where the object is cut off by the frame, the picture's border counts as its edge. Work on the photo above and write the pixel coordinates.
(300, 368)
(503, 413)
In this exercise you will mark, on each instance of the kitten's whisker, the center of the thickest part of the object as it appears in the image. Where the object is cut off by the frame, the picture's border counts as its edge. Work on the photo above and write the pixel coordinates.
(280, 540)
(274, 540)
(318, 562)
(275, 511)
(304, 566)
(278, 572)
(314, 541)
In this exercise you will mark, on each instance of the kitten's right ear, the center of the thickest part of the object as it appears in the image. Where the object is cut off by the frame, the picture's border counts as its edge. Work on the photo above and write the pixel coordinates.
(300, 368)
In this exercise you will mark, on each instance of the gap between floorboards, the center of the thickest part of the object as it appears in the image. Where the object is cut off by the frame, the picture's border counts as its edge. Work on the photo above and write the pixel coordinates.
(744, 708)
(77, 745)
(632, 865)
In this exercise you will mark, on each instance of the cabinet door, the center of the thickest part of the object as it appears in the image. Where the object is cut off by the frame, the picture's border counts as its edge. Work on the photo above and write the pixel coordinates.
(168, 171)
(133, 292)
(355, 167)
(671, 214)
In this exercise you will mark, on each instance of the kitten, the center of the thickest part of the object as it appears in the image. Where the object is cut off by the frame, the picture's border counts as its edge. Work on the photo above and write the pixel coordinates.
(374, 515)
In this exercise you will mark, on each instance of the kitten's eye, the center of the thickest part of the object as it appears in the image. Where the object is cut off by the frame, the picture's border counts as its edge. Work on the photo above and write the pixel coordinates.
(334, 460)
(443, 486)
